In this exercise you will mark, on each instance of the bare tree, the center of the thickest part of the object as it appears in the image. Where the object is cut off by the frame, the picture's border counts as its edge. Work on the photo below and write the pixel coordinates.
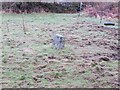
(7, 25)
(23, 22)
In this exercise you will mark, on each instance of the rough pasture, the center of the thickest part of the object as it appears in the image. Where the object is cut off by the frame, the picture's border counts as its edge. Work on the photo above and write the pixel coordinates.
(89, 58)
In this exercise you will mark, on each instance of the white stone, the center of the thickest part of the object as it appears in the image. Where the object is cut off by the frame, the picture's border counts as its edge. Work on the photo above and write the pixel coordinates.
(58, 41)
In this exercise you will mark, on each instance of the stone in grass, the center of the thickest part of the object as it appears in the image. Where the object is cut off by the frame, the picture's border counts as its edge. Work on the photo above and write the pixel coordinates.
(58, 41)
(35, 79)
(42, 66)
(4, 61)
(22, 78)
(109, 24)
(51, 57)
(104, 59)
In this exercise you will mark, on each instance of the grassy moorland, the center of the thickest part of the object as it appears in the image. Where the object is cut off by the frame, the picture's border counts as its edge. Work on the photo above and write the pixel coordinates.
(89, 58)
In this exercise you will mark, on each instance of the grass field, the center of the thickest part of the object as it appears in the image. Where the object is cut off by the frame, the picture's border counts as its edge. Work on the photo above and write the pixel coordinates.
(89, 58)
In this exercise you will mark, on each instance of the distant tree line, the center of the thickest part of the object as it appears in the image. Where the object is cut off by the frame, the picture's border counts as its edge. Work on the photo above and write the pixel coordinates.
(29, 7)
(92, 8)
(102, 9)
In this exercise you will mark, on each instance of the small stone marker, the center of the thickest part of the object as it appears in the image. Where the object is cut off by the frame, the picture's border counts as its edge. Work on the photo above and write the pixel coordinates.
(58, 41)
(109, 23)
